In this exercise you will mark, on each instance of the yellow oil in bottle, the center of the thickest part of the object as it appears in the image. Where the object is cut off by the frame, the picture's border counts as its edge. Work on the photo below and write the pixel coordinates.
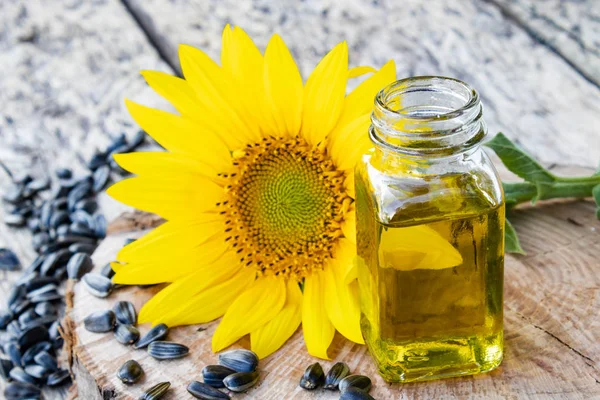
(431, 287)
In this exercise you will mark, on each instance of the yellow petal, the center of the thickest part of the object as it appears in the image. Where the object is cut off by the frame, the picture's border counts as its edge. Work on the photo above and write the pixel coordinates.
(271, 336)
(417, 247)
(360, 71)
(351, 143)
(182, 196)
(181, 135)
(214, 92)
(341, 302)
(324, 94)
(211, 303)
(174, 89)
(316, 326)
(283, 86)
(173, 295)
(251, 310)
(180, 235)
(349, 226)
(346, 250)
(349, 183)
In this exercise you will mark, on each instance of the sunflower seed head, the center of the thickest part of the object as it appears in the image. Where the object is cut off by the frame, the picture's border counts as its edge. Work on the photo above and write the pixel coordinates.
(130, 372)
(206, 392)
(353, 393)
(241, 381)
(79, 265)
(158, 332)
(240, 360)
(98, 285)
(125, 312)
(167, 350)
(338, 372)
(156, 391)
(58, 377)
(313, 377)
(100, 321)
(127, 334)
(214, 374)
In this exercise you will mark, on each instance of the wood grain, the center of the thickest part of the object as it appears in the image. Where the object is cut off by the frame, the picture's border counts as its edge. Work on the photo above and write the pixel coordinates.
(552, 329)
(529, 92)
(571, 28)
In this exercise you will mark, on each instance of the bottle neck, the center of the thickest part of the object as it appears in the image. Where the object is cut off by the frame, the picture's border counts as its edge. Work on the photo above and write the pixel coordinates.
(427, 118)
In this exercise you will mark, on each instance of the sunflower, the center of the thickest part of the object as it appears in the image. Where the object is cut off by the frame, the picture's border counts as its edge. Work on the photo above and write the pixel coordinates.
(256, 188)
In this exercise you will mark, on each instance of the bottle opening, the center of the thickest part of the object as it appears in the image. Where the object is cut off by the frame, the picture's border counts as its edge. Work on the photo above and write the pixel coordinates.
(427, 115)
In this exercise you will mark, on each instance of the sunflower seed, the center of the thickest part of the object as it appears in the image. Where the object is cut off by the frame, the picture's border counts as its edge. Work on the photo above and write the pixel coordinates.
(100, 226)
(53, 331)
(79, 265)
(214, 375)
(14, 220)
(83, 218)
(40, 239)
(54, 261)
(27, 316)
(20, 391)
(32, 336)
(156, 391)
(49, 288)
(19, 306)
(38, 185)
(9, 260)
(241, 381)
(130, 372)
(88, 205)
(117, 141)
(100, 321)
(67, 240)
(162, 350)
(127, 334)
(240, 360)
(97, 161)
(40, 321)
(82, 248)
(5, 318)
(22, 178)
(58, 377)
(357, 381)
(5, 366)
(52, 295)
(12, 351)
(36, 371)
(17, 293)
(63, 173)
(158, 332)
(125, 312)
(353, 393)
(98, 285)
(206, 392)
(338, 372)
(101, 176)
(137, 140)
(45, 360)
(33, 224)
(81, 190)
(107, 271)
(38, 282)
(45, 309)
(19, 375)
(14, 328)
(313, 377)
(58, 218)
(13, 194)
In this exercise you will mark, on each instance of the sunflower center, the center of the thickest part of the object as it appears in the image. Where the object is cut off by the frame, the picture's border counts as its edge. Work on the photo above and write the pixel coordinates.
(285, 206)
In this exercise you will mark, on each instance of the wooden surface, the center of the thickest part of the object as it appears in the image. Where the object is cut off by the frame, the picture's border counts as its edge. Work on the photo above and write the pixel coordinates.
(66, 66)
(552, 329)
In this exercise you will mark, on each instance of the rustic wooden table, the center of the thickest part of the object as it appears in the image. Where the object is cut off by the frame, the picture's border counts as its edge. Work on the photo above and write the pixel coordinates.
(66, 65)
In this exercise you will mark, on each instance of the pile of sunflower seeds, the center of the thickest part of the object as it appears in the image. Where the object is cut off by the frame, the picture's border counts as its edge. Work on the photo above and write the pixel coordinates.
(66, 226)
(352, 387)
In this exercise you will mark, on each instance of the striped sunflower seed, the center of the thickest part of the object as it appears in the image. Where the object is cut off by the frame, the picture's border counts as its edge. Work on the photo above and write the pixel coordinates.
(358, 381)
(167, 350)
(338, 372)
(98, 285)
(125, 312)
(127, 334)
(241, 381)
(58, 377)
(353, 393)
(156, 391)
(100, 321)
(214, 374)
(313, 377)
(240, 360)
(158, 332)
(79, 264)
(206, 392)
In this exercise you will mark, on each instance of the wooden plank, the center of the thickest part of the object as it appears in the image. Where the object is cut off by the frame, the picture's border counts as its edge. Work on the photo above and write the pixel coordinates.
(529, 92)
(571, 28)
(552, 334)
(66, 67)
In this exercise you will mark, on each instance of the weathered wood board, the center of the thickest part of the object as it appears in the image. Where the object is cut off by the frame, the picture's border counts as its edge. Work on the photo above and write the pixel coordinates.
(529, 93)
(552, 328)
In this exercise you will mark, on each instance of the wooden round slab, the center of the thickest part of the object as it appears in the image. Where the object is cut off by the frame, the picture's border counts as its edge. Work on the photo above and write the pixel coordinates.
(552, 327)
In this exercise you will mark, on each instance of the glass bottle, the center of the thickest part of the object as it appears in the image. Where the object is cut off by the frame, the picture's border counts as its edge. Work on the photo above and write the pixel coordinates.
(430, 234)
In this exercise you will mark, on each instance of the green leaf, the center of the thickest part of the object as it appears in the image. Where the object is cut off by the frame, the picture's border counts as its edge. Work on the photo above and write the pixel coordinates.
(519, 162)
(596, 194)
(511, 240)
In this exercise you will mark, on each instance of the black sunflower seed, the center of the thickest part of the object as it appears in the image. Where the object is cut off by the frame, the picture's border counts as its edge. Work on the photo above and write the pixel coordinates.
(54, 261)
(5, 366)
(46, 360)
(79, 265)
(9, 260)
(13, 194)
(32, 336)
(45, 309)
(158, 332)
(19, 375)
(63, 173)
(38, 185)
(101, 176)
(206, 392)
(20, 391)
(17, 293)
(19, 306)
(338, 372)
(82, 248)
(313, 377)
(14, 328)
(130, 372)
(167, 350)
(58, 218)
(41, 321)
(100, 226)
(5, 318)
(240, 360)
(38, 282)
(125, 312)
(81, 229)
(97, 161)
(14, 220)
(98, 285)
(156, 391)
(127, 334)
(107, 271)
(27, 316)
(36, 371)
(100, 321)
(353, 393)
(358, 381)
(40, 239)
(12, 351)
(241, 381)
(51, 287)
(58, 377)
(214, 374)
(137, 140)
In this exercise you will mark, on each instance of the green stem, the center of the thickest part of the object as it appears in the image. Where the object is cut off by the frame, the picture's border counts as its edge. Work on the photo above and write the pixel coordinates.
(521, 192)
(592, 180)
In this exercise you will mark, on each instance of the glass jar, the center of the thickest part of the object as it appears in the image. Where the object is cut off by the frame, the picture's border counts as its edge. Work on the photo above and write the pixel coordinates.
(430, 234)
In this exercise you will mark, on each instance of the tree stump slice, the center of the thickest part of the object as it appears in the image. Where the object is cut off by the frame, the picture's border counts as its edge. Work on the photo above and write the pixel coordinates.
(552, 328)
